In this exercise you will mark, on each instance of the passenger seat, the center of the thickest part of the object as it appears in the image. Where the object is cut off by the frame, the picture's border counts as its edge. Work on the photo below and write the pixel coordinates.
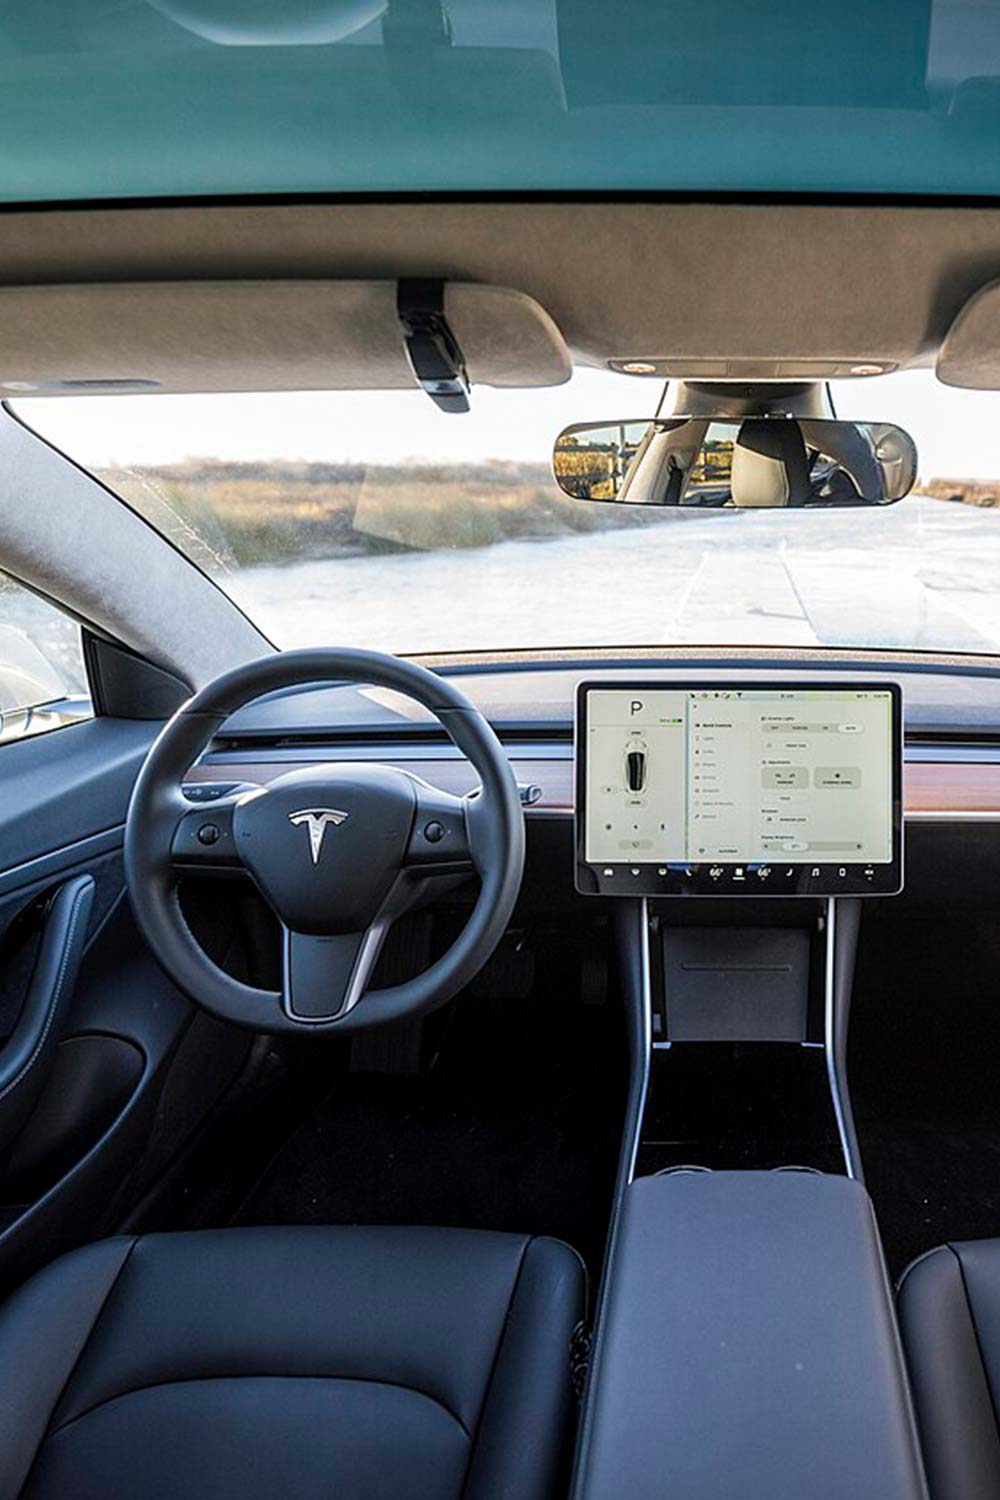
(949, 1315)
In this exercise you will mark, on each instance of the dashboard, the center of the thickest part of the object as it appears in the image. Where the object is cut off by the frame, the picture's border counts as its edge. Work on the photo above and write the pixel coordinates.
(724, 787)
(950, 770)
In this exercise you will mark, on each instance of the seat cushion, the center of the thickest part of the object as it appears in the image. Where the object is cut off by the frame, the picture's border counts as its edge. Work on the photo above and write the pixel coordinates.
(949, 1316)
(310, 1363)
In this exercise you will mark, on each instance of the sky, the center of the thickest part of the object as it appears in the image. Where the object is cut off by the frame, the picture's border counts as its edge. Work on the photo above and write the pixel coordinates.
(957, 432)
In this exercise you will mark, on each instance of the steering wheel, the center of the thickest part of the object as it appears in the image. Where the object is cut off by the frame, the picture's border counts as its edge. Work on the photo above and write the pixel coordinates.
(339, 851)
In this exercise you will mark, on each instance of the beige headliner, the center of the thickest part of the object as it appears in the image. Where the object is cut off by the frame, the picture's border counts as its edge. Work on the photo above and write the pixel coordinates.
(701, 283)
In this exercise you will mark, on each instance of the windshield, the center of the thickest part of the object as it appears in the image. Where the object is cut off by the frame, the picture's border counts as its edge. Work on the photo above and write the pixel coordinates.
(372, 519)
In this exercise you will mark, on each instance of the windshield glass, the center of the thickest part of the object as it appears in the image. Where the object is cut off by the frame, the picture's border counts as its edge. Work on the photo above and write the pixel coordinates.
(373, 519)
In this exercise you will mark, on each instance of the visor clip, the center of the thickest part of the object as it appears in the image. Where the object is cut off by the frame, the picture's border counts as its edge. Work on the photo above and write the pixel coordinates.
(432, 350)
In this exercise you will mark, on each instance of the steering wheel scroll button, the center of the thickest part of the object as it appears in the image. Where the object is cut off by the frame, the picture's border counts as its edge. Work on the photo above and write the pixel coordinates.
(440, 841)
(203, 839)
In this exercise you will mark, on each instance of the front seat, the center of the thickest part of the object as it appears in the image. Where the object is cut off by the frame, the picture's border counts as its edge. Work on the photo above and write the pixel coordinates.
(949, 1317)
(770, 466)
(305, 1364)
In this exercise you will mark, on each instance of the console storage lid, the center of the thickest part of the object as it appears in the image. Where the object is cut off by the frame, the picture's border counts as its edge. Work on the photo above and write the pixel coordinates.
(747, 1347)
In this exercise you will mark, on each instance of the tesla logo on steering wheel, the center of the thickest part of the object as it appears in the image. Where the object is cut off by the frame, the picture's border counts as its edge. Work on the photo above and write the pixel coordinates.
(316, 819)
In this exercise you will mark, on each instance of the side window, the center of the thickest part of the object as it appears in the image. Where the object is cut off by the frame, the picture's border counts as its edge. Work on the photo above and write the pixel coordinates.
(43, 682)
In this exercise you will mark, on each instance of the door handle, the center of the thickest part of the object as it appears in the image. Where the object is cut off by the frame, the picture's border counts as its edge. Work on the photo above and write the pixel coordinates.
(27, 1054)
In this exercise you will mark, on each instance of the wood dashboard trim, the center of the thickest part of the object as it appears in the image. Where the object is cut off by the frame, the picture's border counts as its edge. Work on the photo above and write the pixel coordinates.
(950, 788)
(931, 789)
(553, 777)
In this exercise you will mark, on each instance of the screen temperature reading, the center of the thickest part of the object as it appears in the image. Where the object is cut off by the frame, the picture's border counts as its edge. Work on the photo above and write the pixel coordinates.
(739, 776)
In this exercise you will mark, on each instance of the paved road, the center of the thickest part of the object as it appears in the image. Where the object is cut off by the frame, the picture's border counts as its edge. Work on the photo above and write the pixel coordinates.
(920, 575)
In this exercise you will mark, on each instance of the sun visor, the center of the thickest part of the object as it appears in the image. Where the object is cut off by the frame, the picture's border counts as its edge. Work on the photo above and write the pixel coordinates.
(200, 336)
(969, 355)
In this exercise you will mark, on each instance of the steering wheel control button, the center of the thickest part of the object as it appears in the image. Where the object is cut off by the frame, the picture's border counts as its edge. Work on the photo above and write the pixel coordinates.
(203, 839)
(440, 839)
(208, 791)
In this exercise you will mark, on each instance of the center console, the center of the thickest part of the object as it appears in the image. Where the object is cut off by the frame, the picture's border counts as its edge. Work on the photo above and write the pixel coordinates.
(782, 802)
(746, 1341)
(747, 1348)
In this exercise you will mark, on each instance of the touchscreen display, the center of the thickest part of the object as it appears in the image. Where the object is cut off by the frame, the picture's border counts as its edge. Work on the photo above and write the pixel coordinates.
(793, 788)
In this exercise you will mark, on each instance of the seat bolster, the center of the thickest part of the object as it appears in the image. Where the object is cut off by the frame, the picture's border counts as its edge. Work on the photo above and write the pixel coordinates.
(521, 1440)
(44, 1329)
(949, 1316)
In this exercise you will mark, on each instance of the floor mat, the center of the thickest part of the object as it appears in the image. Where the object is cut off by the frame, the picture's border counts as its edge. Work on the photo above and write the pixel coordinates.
(924, 1080)
(930, 1185)
(514, 1127)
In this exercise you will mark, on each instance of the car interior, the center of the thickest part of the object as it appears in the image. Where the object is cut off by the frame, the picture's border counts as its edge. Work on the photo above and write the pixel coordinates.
(499, 750)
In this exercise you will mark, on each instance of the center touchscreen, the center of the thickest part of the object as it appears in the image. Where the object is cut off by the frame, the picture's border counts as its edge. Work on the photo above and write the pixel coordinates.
(722, 788)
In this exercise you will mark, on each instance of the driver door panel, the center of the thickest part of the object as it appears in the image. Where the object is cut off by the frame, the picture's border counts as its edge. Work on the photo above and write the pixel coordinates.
(90, 1026)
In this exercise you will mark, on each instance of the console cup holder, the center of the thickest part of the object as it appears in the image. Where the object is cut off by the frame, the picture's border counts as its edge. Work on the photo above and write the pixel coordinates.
(680, 1170)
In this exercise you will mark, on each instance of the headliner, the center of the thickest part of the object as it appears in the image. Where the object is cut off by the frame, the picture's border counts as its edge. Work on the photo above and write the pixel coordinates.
(783, 285)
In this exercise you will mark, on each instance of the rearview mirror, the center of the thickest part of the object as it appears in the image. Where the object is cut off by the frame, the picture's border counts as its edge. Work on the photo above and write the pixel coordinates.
(744, 463)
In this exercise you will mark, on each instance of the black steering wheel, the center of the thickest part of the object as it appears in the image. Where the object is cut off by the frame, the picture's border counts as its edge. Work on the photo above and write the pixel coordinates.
(339, 851)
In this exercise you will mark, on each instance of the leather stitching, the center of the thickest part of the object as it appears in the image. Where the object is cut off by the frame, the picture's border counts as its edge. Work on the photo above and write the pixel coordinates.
(935, 1249)
(99, 1314)
(156, 1385)
(496, 1361)
(22, 1073)
(60, 1396)
(978, 1342)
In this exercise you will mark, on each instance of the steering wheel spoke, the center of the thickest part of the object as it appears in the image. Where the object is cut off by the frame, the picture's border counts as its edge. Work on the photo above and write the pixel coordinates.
(204, 841)
(439, 843)
(325, 975)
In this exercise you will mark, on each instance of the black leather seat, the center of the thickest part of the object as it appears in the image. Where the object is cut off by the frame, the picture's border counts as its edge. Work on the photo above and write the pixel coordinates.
(949, 1316)
(305, 1364)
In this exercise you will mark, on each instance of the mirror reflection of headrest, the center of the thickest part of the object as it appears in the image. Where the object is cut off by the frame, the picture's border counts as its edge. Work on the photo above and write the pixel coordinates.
(769, 464)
